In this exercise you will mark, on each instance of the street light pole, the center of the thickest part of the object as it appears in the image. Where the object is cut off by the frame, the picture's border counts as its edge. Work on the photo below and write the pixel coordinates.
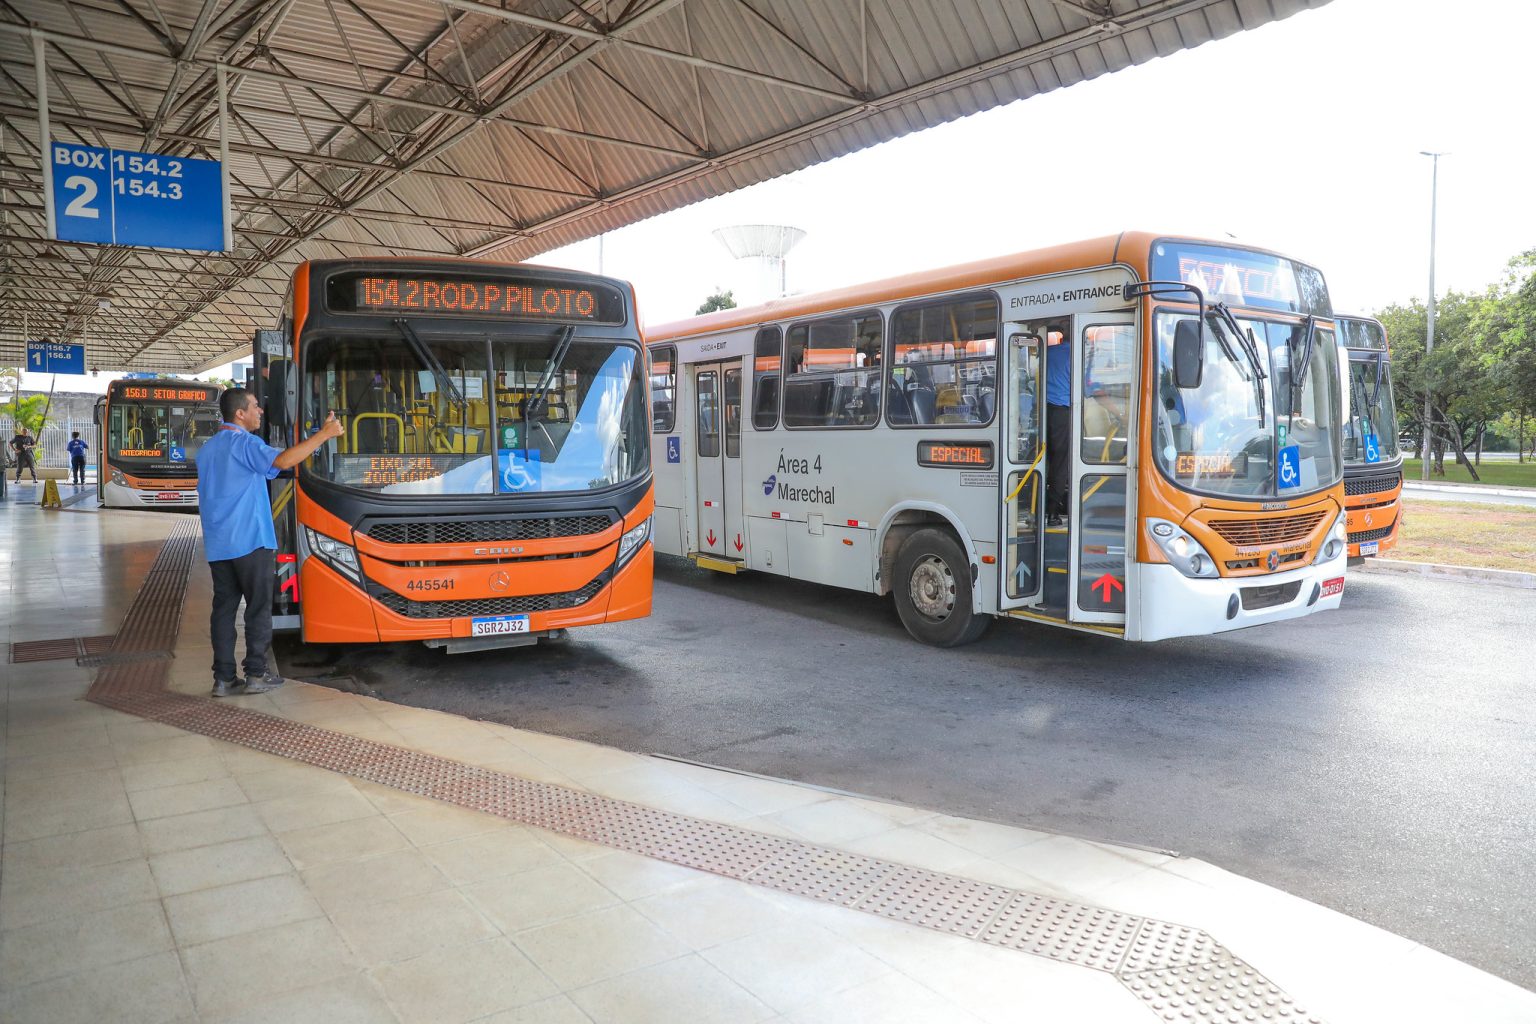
(1429, 334)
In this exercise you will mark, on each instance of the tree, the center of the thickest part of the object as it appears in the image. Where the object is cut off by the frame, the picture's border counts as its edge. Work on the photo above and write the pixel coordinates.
(1509, 324)
(1465, 395)
(719, 300)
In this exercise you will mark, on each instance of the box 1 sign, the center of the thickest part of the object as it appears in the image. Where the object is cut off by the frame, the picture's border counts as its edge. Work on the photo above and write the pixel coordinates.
(116, 197)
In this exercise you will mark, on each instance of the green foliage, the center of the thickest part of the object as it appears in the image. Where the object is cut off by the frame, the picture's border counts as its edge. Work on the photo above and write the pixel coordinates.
(27, 412)
(717, 301)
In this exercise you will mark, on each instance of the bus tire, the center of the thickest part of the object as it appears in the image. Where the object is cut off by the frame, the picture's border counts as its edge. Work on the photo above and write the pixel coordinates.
(932, 584)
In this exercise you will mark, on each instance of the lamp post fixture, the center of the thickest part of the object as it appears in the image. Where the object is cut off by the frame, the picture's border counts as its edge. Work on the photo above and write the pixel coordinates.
(1429, 334)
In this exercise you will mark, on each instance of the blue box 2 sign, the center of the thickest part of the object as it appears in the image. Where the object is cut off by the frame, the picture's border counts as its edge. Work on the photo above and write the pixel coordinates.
(114, 197)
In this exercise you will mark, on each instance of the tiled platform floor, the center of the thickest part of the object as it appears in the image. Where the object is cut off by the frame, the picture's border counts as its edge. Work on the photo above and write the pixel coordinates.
(152, 875)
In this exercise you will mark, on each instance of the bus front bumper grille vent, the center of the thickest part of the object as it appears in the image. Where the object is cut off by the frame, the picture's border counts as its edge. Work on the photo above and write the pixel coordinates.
(476, 531)
(1366, 536)
(402, 605)
(1264, 532)
(1255, 598)
(1372, 484)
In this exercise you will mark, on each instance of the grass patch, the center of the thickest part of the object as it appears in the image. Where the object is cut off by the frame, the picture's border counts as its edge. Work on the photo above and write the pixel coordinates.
(1491, 474)
(1457, 533)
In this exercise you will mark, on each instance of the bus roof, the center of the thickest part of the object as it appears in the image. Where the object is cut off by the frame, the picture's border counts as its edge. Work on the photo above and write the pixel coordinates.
(1093, 252)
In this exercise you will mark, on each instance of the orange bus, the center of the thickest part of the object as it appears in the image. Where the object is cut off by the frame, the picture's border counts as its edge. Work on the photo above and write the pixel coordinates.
(149, 432)
(1373, 462)
(493, 484)
(892, 438)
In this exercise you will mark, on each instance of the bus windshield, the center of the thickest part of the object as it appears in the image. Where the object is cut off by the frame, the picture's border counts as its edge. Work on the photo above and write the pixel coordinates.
(144, 433)
(1260, 423)
(1370, 430)
(477, 415)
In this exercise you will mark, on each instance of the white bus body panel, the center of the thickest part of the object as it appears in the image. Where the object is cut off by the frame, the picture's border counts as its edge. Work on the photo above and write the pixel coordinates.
(119, 496)
(1171, 604)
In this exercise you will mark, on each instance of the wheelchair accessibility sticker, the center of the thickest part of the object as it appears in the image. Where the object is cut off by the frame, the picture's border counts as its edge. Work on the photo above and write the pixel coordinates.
(178, 455)
(674, 449)
(1372, 448)
(520, 470)
(1290, 467)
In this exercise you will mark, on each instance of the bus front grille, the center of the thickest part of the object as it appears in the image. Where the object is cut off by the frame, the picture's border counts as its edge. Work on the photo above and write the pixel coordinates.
(1371, 484)
(476, 531)
(402, 605)
(1366, 536)
(1263, 532)
(1255, 598)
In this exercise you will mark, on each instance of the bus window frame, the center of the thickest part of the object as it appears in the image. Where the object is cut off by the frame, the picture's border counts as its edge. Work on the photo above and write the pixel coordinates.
(650, 364)
(889, 358)
(778, 404)
(852, 314)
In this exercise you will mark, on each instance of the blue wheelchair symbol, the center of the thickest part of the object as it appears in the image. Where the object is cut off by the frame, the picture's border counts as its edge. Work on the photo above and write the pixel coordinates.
(1372, 448)
(178, 455)
(674, 449)
(1290, 467)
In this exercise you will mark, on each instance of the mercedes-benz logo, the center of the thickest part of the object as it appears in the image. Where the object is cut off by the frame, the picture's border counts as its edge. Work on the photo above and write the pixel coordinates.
(500, 581)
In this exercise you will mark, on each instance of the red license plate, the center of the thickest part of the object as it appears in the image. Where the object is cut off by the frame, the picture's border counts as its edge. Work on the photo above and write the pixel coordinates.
(1333, 586)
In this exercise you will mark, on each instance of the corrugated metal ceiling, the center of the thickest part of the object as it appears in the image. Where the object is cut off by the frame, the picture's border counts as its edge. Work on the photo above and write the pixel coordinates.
(499, 129)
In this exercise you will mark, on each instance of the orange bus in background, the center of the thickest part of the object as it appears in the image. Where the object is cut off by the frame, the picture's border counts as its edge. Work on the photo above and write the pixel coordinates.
(1373, 462)
(149, 431)
(493, 484)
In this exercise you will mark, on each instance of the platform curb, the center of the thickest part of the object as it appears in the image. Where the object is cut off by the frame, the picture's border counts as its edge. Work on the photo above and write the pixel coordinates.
(1498, 577)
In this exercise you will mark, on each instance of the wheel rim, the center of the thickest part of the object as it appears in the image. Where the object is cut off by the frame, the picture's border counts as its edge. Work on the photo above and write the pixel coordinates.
(932, 588)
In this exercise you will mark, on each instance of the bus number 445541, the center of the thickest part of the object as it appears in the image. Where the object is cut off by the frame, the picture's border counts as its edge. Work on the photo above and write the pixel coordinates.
(429, 585)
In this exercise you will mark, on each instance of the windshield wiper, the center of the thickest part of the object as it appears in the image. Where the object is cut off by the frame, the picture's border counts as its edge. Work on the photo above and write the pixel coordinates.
(1250, 349)
(556, 360)
(425, 356)
(1299, 364)
(1381, 366)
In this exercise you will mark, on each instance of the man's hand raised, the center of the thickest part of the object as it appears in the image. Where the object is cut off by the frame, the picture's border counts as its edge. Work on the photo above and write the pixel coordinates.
(331, 427)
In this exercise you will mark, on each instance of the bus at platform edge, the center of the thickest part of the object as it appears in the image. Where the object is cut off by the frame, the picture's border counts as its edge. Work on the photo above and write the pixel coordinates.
(148, 435)
(493, 483)
(1373, 460)
(891, 438)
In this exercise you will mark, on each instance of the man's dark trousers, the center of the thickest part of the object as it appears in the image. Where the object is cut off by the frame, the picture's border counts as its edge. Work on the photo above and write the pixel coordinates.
(250, 576)
(77, 469)
(1058, 466)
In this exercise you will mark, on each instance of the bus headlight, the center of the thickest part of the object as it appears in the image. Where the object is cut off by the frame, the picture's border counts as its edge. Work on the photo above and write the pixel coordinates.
(334, 553)
(632, 539)
(115, 475)
(1338, 540)
(1183, 552)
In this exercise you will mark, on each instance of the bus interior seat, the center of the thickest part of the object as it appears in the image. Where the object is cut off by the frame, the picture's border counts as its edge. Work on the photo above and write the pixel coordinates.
(924, 403)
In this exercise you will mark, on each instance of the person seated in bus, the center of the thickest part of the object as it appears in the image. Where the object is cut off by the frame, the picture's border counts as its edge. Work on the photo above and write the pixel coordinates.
(1058, 423)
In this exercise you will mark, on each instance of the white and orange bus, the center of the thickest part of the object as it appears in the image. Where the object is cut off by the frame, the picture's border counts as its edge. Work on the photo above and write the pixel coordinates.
(493, 484)
(149, 432)
(1373, 462)
(892, 438)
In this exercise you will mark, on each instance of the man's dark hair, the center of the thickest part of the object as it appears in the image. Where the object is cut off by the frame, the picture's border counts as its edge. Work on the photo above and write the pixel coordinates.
(231, 402)
(75, 434)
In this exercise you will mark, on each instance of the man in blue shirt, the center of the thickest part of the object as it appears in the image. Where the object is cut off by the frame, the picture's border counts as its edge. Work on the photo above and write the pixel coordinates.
(1058, 423)
(233, 468)
(77, 449)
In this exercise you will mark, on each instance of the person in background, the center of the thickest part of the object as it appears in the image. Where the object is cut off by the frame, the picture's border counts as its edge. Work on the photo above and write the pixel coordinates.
(1058, 423)
(22, 444)
(77, 449)
(233, 468)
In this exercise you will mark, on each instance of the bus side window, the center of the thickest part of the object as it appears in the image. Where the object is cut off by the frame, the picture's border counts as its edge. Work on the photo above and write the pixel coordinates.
(767, 371)
(828, 385)
(943, 358)
(663, 389)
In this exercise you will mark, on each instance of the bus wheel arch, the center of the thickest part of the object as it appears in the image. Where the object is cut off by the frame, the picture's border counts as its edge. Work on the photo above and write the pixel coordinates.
(926, 564)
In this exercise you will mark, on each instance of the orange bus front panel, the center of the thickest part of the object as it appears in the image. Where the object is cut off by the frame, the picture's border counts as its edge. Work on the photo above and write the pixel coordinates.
(335, 610)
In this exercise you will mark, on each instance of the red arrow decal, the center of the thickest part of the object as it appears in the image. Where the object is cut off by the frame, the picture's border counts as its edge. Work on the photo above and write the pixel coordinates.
(1110, 585)
(290, 584)
(738, 542)
(711, 538)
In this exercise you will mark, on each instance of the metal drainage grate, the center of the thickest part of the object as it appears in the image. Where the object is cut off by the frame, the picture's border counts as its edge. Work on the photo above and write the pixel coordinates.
(77, 647)
(1180, 973)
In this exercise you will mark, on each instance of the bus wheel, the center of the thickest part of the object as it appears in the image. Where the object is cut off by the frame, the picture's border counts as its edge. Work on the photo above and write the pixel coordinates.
(933, 590)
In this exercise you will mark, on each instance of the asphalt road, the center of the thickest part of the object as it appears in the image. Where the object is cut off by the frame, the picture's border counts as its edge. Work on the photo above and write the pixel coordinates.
(1378, 759)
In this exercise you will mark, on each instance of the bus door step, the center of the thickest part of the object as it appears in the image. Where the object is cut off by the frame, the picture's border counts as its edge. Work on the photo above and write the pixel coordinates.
(717, 563)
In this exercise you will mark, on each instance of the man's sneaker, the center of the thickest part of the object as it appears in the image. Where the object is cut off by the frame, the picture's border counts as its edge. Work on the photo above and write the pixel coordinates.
(261, 684)
(228, 687)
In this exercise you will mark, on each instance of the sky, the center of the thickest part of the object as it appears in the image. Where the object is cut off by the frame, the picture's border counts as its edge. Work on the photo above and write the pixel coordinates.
(1303, 136)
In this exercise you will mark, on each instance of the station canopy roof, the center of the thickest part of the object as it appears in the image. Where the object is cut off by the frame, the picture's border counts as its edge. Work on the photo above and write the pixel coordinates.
(488, 128)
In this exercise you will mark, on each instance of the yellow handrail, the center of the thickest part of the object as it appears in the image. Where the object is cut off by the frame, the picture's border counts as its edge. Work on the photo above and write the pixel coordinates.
(1027, 472)
(359, 417)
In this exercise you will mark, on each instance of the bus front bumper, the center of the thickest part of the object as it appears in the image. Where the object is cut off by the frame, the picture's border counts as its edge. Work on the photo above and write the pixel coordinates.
(1172, 604)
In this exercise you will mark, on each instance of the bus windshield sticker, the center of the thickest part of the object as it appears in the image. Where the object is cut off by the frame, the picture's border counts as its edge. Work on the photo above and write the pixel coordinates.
(520, 470)
(1290, 467)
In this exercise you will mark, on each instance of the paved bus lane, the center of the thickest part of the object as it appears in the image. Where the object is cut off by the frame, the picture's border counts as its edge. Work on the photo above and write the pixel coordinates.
(1369, 759)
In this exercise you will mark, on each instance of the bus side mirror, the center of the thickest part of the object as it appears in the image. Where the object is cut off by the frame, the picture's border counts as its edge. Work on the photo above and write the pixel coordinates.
(1188, 355)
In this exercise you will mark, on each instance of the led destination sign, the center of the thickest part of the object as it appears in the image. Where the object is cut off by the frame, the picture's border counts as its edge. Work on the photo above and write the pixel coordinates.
(519, 298)
(149, 394)
(950, 455)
